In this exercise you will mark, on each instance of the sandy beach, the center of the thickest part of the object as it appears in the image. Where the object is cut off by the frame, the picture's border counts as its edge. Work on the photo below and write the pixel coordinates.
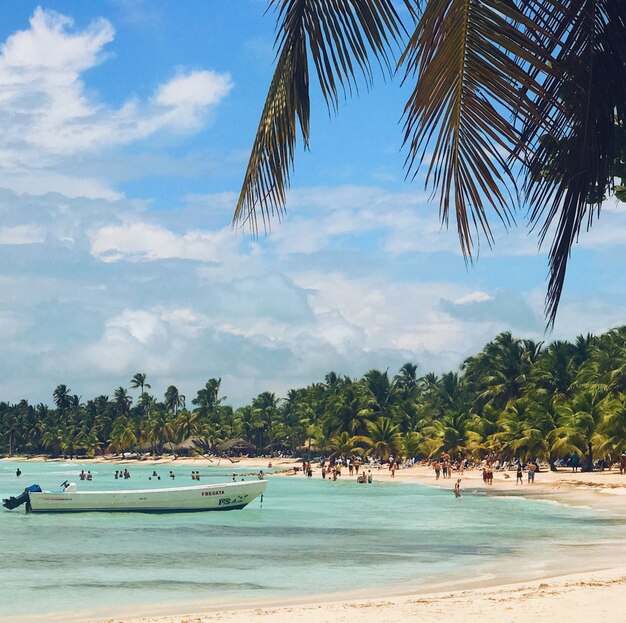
(579, 597)
(574, 598)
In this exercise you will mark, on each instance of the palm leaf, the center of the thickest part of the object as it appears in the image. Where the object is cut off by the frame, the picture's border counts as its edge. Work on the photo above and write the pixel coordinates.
(573, 160)
(471, 60)
(341, 35)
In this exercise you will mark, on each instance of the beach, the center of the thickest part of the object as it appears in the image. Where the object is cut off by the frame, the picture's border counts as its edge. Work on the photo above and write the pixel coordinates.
(575, 598)
(581, 596)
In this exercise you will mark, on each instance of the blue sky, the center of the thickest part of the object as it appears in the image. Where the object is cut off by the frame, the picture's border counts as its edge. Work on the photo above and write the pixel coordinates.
(126, 130)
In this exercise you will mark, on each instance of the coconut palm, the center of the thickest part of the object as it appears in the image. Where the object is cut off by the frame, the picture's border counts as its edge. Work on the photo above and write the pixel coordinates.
(186, 424)
(123, 434)
(346, 445)
(350, 410)
(535, 88)
(555, 372)
(520, 435)
(174, 400)
(159, 428)
(580, 426)
(207, 399)
(406, 381)
(62, 398)
(383, 438)
(453, 432)
(265, 408)
(139, 380)
(122, 400)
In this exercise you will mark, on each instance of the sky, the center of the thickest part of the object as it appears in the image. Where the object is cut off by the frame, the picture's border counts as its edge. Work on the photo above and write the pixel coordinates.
(126, 128)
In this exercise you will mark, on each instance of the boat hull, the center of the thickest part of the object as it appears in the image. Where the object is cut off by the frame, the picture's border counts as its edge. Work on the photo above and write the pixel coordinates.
(210, 497)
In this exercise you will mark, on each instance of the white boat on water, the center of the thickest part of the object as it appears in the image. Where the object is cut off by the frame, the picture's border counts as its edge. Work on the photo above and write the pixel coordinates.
(209, 497)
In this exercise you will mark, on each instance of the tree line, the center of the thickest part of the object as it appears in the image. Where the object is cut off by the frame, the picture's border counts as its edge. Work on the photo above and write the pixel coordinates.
(516, 398)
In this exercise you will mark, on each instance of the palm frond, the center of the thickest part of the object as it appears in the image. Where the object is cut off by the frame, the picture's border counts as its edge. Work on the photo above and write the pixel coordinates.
(573, 160)
(471, 64)
(341, 36)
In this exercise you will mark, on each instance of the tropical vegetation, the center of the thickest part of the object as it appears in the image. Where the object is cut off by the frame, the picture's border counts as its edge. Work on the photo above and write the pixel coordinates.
(516, 399)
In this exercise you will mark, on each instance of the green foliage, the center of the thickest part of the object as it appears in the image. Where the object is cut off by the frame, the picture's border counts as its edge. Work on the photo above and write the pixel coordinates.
(515, 397)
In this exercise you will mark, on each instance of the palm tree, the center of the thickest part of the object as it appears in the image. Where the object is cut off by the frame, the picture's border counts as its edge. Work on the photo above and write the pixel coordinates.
(383, 438)
(498, 89)
(139, 380)
(406, 380)
(122, 400)
(345, 444)
(350, 409)
(62, 398)
(174, 399)
(123, 435)
(520, 436)
(186, 425)
(207, 399)
(265, 407)
(580, 425)
(159, 428)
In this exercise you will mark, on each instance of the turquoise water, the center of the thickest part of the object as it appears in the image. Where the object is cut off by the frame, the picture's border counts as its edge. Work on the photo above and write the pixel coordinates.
(310, 536)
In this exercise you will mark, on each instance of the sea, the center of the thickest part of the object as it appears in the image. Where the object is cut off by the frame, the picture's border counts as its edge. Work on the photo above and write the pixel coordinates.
(306, 537)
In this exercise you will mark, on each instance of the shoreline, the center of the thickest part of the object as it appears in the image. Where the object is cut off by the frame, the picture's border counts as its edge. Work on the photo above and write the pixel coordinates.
(603, 490)
(580, 596)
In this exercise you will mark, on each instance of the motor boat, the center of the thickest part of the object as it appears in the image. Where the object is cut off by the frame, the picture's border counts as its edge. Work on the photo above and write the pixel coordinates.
(205, 497)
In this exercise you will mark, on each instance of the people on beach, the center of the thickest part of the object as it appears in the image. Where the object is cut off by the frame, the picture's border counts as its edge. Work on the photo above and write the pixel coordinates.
(82, 474)
(437, 468)
(89, 476)
(622, 463)
(532, 468)
(519, 476)
(457, 488)
(18, 472)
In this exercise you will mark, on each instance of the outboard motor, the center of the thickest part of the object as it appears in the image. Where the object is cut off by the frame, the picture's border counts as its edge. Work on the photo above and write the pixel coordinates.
(14, 502)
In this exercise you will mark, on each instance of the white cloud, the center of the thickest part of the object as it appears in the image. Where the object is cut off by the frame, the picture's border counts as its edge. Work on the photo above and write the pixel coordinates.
(49, 115)
(473, 297)
(201, 88)
(146, 242)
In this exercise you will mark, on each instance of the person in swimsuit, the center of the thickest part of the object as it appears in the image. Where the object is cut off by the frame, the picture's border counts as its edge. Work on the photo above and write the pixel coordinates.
(457, 488)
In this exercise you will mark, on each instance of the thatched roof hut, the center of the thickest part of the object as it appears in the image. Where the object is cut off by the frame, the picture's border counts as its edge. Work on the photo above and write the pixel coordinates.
(235, 445)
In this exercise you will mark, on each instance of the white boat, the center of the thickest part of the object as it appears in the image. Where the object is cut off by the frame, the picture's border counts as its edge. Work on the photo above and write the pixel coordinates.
(209, 497)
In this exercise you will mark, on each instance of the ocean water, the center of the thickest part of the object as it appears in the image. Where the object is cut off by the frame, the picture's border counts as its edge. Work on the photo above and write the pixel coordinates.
(308, 536)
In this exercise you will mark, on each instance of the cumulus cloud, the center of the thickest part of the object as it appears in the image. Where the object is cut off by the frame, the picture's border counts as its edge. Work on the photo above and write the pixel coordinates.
(99, 290)
(147, 242)
(49, 115)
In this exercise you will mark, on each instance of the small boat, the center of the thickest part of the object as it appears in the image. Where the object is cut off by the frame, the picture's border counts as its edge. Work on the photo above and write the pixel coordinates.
(210, 497)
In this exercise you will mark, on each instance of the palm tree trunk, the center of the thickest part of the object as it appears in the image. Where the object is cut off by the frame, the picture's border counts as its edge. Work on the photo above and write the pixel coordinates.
(589, 466)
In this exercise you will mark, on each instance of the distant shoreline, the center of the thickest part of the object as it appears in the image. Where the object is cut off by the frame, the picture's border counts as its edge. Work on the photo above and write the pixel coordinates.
(604, 490)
